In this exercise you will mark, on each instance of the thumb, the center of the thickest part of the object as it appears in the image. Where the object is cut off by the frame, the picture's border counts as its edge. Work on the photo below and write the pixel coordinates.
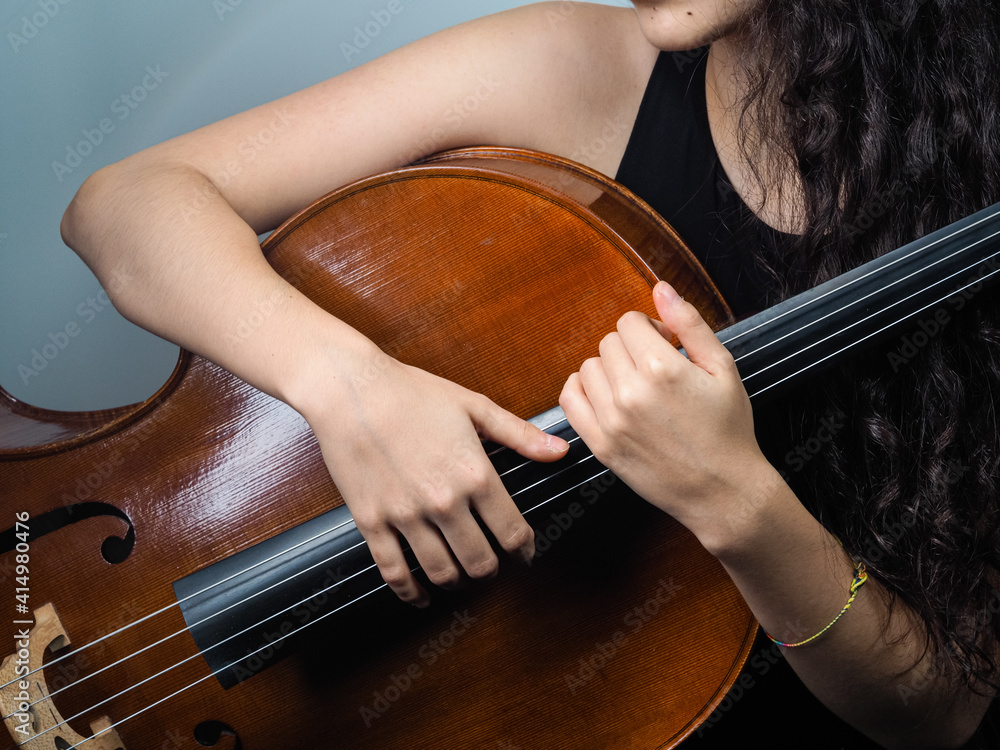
(685, 322)
(500, 426)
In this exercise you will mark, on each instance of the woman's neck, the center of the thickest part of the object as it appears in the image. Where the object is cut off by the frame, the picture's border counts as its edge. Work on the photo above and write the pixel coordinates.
(768, 185)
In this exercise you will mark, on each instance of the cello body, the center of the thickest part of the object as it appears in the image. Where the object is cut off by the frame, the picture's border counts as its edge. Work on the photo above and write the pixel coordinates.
(498, 269)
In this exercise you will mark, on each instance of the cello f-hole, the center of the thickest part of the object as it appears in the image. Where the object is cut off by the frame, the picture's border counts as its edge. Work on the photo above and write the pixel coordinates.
(114, 549)
(209, 733)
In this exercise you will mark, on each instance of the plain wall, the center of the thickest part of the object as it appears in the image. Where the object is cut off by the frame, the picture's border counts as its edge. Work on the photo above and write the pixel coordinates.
(85, 84)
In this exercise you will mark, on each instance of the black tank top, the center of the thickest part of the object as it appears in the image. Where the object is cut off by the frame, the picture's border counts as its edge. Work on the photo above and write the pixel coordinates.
(671, 163)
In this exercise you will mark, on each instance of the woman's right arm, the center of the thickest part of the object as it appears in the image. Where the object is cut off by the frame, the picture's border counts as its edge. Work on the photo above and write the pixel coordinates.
(172, 234)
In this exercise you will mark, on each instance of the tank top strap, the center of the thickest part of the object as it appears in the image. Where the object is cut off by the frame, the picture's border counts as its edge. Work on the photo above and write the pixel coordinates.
(671, 163)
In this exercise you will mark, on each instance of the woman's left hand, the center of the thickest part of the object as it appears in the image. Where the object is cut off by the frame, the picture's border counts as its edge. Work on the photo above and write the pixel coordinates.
(678, 430)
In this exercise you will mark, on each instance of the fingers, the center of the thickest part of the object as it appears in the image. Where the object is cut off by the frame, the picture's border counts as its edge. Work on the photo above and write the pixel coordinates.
(697, 338)
(437, 521)
(639, 369)
(418, 481)
(492, 501)
(448, 544)
(579, 410)
(616, 357)
(503, 518)
(392, 565)
(449, 512)
(500, 426)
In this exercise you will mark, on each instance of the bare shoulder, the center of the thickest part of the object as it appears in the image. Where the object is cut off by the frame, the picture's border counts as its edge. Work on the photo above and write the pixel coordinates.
(589, 66)
(552, 76)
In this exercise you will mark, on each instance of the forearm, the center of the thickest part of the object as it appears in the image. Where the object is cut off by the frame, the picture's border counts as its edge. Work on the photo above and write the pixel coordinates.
(870, 667)
(679, 431)
(176, 259)
(402, 445)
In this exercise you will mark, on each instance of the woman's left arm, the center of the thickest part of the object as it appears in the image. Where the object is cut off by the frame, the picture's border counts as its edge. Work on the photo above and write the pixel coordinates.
(679, 431)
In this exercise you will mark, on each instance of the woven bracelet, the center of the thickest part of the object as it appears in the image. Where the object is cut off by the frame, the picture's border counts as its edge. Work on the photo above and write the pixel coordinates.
(860, 576)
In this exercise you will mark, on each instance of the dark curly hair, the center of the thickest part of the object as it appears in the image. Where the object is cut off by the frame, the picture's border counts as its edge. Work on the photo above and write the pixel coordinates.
(889, 116)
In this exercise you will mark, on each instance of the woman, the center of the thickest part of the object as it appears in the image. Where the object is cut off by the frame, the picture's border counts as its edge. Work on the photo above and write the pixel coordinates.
(813, 108)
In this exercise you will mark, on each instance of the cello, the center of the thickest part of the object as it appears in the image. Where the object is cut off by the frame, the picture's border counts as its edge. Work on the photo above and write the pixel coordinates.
(189, 566)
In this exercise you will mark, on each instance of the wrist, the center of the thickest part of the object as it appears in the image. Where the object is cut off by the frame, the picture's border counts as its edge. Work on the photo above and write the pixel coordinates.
(755, 517)
(329, 369)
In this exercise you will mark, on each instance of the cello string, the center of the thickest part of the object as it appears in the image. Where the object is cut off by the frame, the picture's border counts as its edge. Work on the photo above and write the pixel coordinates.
(859, 300)
(957, 232)
(237, 574)
(168, 607)
(598, 475)
(177, 603)
(872, 315)
(952, 293)
(206, 677)
(202, 652)
(501, 448)
(266, 645)
(912, 253)
(182, 661)
(191, 627)
(931, 304)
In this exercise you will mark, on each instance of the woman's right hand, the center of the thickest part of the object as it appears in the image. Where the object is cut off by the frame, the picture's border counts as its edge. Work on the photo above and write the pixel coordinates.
(172, 233)
(403, 447)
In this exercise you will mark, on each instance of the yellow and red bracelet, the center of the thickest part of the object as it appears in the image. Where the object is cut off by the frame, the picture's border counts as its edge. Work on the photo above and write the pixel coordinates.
(860, 576)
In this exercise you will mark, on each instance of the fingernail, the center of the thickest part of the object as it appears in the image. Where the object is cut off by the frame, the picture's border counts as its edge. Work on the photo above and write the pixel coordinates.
(667, 292)
(555, 445)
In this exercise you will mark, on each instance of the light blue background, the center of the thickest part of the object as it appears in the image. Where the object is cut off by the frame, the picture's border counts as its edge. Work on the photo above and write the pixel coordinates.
(65, 64)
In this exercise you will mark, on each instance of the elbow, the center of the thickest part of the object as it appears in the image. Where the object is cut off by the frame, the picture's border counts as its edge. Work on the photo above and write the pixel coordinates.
(93, 226)
(83, 216)
(69, 227)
